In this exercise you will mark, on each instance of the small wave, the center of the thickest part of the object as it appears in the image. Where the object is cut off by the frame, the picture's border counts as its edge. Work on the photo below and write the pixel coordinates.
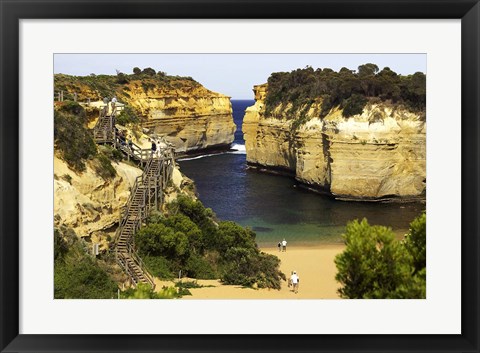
(198, 157)
(235, 149)
(239, 149)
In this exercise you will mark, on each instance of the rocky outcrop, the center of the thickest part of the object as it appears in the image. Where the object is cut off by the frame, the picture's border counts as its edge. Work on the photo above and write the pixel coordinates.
(187, 114)
(87, 203)
(191, 120)
(377, 155)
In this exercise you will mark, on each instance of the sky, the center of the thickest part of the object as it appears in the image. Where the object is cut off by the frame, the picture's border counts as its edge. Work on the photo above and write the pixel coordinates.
(230, 74)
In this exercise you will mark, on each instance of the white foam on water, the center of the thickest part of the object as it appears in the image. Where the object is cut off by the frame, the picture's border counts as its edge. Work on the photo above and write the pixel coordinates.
(198, 157)
(234, 149)
(240, 149)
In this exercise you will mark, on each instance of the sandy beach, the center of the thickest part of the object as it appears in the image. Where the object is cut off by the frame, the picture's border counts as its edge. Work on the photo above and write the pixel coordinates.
(314, 265)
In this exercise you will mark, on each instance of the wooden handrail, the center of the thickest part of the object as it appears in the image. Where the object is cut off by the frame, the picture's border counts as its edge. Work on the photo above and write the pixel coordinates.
(144, 191)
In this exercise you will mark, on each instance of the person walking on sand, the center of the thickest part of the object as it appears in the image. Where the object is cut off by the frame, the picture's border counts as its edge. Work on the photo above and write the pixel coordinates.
(295, 280)
(279, 246)
(284, 245)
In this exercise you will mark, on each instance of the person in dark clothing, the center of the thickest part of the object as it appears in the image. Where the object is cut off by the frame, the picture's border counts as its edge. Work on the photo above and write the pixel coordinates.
(154, 147)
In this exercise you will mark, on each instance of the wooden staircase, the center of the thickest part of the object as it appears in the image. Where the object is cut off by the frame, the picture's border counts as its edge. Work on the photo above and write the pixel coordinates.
(146, 195)
(104, 130)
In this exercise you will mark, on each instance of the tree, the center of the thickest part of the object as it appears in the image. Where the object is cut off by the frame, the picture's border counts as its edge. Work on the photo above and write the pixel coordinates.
(354, 105)
(159, 239)
(149, 71)
(137, 71)
(374, 264)
(367, 70)
(121, 78)
(416, 243)
(248, 267)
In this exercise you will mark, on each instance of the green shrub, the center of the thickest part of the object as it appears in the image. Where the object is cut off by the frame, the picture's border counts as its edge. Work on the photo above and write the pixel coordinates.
(188, 284)
(159, 240)
(376, 265)
(353, 105)
(111, 153)
(248, 267)
(60, 245)
(82, 279)
(230, 234)
(122, 78)
(67, 178)
(147, 86)
(149, 71)
(183, 291)
(103, 167)
(72, 140)
(144, 291)
(198, 214)
(159, 267)
(126, 116)
(199, 267)
(76, 274)
(73, 108)
(416, 242)
(299, 88)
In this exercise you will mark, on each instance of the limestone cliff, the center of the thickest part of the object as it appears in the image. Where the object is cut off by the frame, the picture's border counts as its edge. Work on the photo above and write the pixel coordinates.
(91, 206)
(87, 203)
(191, 120)
(187, 114)
(376, 155)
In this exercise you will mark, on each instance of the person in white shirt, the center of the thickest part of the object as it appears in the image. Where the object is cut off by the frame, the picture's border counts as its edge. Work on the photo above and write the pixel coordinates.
(284, 245)
(295, 280)
(113, 103)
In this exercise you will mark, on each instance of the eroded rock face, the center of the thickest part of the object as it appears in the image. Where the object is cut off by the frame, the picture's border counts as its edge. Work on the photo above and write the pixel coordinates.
(191, 118)
(380, 154)
(91, 205)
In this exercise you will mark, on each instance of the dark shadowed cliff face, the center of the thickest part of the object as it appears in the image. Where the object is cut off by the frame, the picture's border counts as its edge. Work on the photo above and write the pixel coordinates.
(377, 154)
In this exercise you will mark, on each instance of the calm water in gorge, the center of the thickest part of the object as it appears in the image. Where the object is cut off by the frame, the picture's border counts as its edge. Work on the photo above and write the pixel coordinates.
(274, 206)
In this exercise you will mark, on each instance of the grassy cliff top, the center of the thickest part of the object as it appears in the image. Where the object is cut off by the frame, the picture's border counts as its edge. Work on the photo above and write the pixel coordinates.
(147, 82)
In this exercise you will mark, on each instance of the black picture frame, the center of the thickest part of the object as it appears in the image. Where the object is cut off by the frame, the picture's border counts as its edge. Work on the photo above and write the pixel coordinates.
(12, 11)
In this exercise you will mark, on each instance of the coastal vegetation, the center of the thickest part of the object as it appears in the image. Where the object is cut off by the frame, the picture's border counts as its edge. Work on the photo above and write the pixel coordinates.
(375, 265)
(189, 239)
(96, 87)
(74, 143)
(72, 139)
(77, 274)
(296, 92)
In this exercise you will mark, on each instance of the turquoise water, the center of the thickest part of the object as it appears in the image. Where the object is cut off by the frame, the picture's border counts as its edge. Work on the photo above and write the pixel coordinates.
(274, 206)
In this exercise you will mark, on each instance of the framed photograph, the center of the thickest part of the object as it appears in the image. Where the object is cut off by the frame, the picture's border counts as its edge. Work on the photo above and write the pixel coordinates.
(257, 166)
